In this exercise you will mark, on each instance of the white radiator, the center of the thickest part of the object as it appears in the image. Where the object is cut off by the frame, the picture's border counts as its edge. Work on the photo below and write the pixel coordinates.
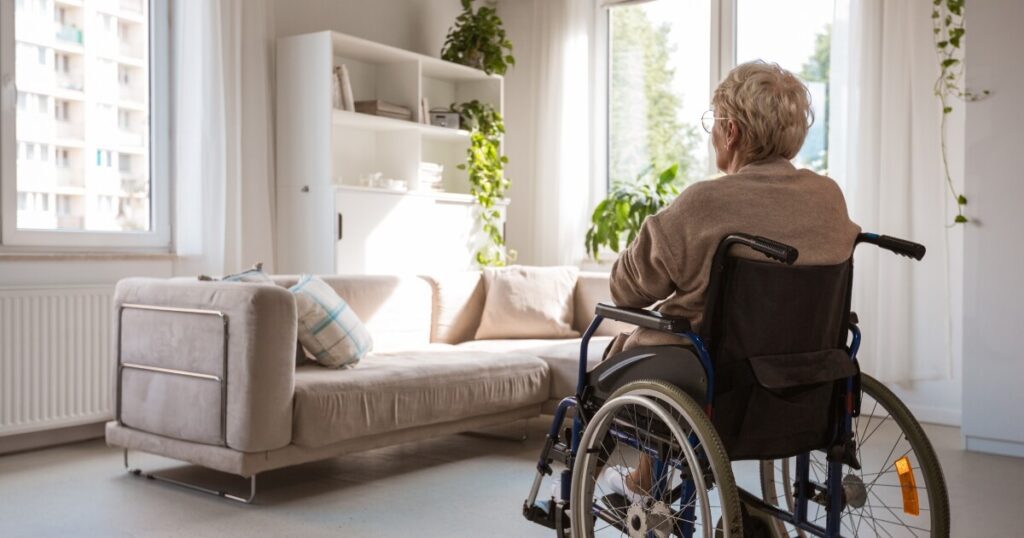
(56, 357)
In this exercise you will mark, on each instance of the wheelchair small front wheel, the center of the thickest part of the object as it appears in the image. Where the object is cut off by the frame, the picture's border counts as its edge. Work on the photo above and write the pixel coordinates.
(665, 474)
(899, 491)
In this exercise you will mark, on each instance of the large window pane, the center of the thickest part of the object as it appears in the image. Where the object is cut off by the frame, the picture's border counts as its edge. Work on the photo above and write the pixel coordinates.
(659, 68)
(796, 35)
(82, 124)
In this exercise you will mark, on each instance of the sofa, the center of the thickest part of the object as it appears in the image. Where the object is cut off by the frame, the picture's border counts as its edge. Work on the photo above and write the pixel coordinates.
(208, 371)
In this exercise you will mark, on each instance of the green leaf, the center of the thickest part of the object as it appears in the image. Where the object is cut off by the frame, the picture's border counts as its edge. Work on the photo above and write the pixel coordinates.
(948, 62)
(961, 200)
(947, 110)
(960, 219)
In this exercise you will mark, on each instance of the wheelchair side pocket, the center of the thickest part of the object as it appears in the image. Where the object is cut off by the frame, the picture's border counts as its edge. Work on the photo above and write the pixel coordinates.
(792, 406)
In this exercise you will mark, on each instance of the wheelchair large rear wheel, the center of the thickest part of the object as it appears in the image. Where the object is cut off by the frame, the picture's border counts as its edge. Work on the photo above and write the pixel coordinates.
(692, 485)
(898, 491)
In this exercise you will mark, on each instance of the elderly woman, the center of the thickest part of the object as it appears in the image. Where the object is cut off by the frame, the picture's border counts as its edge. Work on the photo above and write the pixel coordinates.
(759, 118)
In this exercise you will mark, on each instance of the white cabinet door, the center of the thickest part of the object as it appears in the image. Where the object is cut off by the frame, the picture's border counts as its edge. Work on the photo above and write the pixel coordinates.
(451, 237)
(395, 233)
(381, 233)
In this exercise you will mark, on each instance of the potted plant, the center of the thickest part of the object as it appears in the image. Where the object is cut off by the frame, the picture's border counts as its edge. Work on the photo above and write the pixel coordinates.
(623, 211)
(478, 40)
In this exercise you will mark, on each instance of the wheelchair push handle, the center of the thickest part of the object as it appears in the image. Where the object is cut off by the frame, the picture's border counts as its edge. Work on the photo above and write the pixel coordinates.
(773, 249)
(899, 246)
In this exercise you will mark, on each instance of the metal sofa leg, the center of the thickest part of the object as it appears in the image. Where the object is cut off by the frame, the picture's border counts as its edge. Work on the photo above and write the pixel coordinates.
(224, 494)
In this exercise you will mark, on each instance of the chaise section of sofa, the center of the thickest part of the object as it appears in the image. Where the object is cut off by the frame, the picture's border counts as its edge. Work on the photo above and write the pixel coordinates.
(209, 371)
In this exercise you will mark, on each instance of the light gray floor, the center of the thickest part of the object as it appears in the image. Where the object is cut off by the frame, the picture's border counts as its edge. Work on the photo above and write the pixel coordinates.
(451, 486)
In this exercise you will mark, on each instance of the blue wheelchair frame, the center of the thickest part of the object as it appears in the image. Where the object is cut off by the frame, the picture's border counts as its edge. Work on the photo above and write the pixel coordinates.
(833, 489)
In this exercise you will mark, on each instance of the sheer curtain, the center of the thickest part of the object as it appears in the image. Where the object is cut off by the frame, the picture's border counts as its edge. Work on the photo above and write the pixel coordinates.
(223, 146)
(561, 71)
(884, 151)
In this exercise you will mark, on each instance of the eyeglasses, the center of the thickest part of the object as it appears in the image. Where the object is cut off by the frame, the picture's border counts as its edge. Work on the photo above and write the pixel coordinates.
(708, 120)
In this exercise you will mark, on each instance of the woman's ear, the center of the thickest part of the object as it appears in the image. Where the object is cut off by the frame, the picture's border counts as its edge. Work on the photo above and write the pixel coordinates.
(732, 135)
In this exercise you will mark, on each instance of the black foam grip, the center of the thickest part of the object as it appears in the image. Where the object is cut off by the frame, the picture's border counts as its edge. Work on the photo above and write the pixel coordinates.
(902, 247)
(775, 250)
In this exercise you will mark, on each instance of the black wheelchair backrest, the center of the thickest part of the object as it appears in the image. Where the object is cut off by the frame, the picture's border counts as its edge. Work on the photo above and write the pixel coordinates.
(777, 334)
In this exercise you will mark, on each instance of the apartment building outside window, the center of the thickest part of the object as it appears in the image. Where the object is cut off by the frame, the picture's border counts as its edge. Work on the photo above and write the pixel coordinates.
(666, 56)
(90, 84)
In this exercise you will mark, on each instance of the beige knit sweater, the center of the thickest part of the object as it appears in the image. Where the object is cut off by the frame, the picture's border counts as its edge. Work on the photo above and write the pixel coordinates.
(670, 261)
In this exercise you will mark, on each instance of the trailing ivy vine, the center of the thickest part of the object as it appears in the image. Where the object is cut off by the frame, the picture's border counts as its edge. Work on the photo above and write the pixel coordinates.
(948, 29)
(487, 181)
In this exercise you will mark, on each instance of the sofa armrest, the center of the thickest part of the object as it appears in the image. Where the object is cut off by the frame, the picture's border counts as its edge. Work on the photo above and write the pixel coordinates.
(208, 362)
(593, 288)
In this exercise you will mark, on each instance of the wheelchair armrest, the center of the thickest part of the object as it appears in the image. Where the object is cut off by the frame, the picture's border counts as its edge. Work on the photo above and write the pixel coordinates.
(642, 317)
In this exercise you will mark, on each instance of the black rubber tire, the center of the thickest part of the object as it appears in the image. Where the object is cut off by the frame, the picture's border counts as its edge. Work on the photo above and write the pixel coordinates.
(935, 481)
(676, 401)
(931, 471)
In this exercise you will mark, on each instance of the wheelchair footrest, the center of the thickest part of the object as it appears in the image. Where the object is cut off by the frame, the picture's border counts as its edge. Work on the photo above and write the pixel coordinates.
(543, 513)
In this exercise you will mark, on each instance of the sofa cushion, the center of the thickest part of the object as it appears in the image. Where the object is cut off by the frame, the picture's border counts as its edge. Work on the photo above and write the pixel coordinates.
(562, 357)
(457, 306)
(528, 302)
(392, 391)
(395, 309)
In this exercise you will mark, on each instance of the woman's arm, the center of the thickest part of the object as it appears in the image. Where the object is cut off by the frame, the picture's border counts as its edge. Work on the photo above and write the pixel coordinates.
(641, 275)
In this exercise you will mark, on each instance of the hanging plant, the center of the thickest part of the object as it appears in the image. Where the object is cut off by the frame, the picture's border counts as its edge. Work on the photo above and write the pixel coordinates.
(478, 40)
(627, 206)
(487, 181)
(948, 29)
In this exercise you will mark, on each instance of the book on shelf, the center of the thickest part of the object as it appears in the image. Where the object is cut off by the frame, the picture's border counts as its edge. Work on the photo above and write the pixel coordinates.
(385, 109)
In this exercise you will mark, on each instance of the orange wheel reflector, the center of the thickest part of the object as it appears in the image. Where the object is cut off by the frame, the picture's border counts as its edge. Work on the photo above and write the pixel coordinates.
(909, 486)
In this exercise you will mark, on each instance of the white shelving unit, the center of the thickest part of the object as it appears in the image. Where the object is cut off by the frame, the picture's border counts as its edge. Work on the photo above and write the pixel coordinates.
(326, 221)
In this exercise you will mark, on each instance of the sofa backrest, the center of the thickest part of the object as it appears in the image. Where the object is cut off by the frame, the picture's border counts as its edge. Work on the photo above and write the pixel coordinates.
(395, 309)
(459, 298)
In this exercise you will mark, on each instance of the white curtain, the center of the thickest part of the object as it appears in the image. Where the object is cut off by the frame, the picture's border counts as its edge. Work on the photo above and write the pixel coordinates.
(562, 93)
(223, 145)
(884, 151)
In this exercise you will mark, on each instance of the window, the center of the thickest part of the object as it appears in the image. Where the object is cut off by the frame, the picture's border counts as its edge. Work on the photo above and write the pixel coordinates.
(659, 69)
(799, 44)
(60, 110)
(81, 95)
(666, 56)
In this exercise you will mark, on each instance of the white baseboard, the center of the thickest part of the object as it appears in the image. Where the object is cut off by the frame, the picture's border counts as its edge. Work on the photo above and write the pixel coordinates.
(34, 440)
(936, 415)
(994, 446)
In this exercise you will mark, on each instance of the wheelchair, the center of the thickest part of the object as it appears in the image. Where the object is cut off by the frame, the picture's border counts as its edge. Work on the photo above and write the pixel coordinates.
(772, 378)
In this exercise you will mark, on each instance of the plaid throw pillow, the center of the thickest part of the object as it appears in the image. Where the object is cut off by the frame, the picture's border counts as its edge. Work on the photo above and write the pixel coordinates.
(328, 328)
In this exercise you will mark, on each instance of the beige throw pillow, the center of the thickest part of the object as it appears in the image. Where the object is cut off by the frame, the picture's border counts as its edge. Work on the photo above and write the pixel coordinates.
(457, 307)
(528, 302)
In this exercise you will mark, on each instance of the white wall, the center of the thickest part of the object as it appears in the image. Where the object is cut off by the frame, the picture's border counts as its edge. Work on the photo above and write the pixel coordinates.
(416, 25)
(994, 246)
(517, 16)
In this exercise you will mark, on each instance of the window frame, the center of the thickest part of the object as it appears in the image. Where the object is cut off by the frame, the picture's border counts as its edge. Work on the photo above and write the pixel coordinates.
(158, 237)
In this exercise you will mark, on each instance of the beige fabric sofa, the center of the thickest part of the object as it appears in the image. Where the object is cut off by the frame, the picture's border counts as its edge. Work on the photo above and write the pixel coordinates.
(208, 374)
